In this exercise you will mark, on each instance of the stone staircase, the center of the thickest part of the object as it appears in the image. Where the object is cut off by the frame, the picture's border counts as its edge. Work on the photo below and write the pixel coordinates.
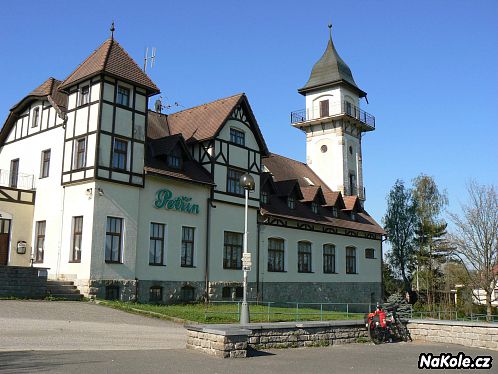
(63, 290)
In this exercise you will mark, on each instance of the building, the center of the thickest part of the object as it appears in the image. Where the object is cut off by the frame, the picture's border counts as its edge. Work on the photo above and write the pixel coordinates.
(136, 204)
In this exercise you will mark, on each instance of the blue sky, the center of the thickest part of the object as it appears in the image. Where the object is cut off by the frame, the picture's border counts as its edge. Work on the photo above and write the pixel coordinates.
(429, 67)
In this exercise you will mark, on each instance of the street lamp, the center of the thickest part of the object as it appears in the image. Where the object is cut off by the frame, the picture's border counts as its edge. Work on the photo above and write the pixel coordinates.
(247, 182)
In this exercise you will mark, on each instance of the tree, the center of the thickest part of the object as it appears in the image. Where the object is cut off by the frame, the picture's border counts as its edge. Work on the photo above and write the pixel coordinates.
(475, 238)
(400, 222)
(430, 234)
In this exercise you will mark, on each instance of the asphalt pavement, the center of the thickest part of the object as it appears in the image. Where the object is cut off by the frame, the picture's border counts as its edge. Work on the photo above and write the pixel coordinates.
(74, 337)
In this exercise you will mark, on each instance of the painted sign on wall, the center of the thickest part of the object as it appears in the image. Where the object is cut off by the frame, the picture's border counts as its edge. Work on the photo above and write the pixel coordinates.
(165, 200)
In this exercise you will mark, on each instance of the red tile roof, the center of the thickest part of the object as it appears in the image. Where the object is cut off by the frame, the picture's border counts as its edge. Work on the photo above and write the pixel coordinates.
(112, 59)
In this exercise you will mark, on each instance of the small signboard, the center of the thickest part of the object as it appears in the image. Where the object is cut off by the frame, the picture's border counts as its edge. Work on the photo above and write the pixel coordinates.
(246, 261)
(21, 247)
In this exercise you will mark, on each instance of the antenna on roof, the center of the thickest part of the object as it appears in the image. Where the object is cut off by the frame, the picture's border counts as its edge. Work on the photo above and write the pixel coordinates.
(112, 29)
(150, 59)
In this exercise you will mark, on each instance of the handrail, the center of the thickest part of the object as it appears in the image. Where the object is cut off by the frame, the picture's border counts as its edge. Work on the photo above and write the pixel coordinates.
(20, 181)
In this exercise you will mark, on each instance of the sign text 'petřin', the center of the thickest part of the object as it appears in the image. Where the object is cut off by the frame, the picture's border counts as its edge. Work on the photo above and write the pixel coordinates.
(165, 199)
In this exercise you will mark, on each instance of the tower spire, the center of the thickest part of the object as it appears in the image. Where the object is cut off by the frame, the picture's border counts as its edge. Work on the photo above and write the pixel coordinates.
(330, 31)
(112, 29)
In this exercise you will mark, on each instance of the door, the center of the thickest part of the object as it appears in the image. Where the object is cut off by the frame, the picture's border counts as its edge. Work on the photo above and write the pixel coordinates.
(4, 241)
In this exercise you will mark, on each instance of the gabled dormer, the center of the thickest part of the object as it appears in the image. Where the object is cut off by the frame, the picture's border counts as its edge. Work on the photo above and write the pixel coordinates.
(334, 203)
(352, 207)
(267, 188)
(171, 151)
(313, 198)
(290, 192)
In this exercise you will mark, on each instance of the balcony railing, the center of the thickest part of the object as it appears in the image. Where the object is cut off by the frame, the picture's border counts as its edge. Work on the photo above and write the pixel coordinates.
(20, 181)
(317, 112)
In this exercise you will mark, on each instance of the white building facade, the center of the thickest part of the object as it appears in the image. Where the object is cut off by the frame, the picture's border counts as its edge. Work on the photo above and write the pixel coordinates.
(134, 204)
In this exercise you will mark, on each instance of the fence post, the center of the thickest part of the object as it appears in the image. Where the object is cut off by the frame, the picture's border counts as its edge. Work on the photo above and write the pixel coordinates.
(347, 310)
(238, 310)
(321, 312)
(297, 311)
(268, 311)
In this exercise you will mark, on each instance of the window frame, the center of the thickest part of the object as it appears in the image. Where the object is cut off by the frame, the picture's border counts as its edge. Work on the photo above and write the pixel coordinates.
(291, 202)
(351, 266)
(237, 136)
(114, 235)
(265, 197)
(40, 233)
(76, 238)
(45, 162)
(14, 173)
(112, 288)
(183, 290)
(234, 181)
(274, 255)
(155, 239)
(231, 260)
(120, 96)
(187, 244)
(155, 299)
(329, 259)
(119, 154)
(372, 257)
(314, 207)
(303, 255)
(84, 96)
(324, 107)
(36, 117)
(80, 154)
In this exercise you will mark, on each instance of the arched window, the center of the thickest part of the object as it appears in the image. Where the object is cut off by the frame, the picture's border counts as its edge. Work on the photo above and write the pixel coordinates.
(350, 260)
(304, 257)
(276, 254)
(329, 258)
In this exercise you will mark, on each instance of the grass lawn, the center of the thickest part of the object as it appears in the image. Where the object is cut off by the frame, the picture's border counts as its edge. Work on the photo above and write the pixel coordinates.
(228, 313)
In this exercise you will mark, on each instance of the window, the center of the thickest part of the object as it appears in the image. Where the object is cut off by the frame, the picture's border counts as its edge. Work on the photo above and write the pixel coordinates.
(233, 182)
(264, 197)
(187, 246)
(349, 108)
(324, 108)
(84, 95)
(36, 117)
(226, 293)
(119, 154)
(352, 184)
(156, 244)
(187, 293)
(276, 254)
(123, 96)
(353, 216)
(239, 292)
(114, 229)
(14, 173)
(350, 150)
(76, 239)
(174, 159)
(291, 202)
(314, 207)
(112, 293)
(323, 148)
(80, 158)
(232, 253)
(369, 253)
(155, 294)
(40, 241)
(328, 258)
(45, 163)
(304, 257)
(350, 260)
(334, 211)
(237, 137)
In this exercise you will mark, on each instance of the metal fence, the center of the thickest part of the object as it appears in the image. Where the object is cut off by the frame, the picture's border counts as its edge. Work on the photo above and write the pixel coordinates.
(289, 311)
(453, 315)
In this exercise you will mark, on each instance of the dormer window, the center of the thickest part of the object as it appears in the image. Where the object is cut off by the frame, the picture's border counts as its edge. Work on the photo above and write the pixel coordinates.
(123, 97)
(264, 197)
(174, 159)
(237, 137)
(334, 212)
(291, 202)
(353, 216)
(314, 207)
(36, 117)
(84, 95)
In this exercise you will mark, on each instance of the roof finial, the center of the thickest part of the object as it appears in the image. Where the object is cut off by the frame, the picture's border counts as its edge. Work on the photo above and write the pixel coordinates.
(112, 30)
(330, 31)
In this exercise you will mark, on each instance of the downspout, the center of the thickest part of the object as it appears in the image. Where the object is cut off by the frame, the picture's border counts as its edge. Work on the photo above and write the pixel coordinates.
(208, 237)
(60, 238)
(258, 296)
(382, 293)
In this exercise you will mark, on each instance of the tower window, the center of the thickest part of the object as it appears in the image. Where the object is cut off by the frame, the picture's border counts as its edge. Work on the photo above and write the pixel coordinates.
(323, 148)
(350, 150)
(324, 108)
(237, 137)
(352, 184)
(120, 154)
(123, 97)
(84, 95)
(80, 156)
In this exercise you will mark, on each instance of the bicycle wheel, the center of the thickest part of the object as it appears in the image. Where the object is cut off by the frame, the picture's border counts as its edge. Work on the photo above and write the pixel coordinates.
(375, 333)
(403, 332)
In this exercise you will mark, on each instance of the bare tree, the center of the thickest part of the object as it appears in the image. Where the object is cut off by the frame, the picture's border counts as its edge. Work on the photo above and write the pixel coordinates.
(475, 239)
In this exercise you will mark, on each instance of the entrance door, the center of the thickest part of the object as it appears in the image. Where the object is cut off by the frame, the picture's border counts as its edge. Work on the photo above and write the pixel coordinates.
(4, 241)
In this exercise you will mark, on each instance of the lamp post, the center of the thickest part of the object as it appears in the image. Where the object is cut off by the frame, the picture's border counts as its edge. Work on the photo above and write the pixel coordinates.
(247, 182)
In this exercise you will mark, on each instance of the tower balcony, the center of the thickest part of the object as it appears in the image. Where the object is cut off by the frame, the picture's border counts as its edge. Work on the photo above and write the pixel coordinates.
(304, 117)
(18, 181)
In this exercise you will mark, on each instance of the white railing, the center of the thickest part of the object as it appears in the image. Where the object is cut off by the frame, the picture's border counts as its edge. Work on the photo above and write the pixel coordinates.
(20, 181)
